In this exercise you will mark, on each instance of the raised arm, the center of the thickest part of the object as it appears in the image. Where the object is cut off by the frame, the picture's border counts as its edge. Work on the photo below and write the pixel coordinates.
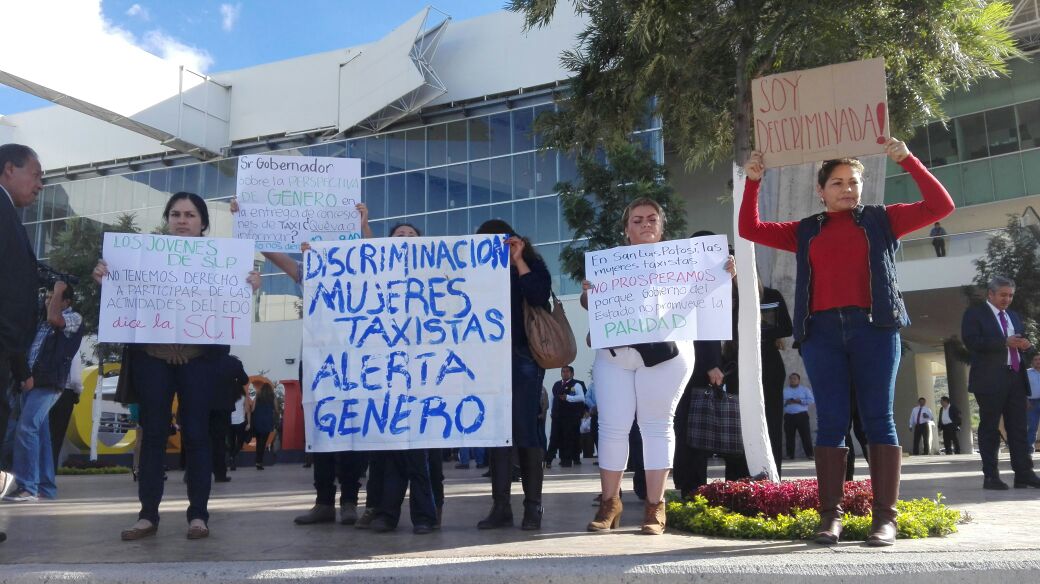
(935, 203)
(751, 227)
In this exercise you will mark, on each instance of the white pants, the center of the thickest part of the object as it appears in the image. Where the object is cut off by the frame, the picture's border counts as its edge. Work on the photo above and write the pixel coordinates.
(627, 390)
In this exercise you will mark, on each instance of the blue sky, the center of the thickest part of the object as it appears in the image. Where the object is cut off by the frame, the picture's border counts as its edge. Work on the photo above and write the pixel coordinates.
(217, 36)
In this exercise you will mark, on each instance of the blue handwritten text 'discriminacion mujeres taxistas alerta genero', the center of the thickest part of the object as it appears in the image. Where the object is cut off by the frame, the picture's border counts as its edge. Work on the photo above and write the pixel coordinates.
(408, 314)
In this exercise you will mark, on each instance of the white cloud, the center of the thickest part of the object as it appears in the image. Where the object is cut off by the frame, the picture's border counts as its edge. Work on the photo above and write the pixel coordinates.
(138, 11)
(173, 50)
(229, 15)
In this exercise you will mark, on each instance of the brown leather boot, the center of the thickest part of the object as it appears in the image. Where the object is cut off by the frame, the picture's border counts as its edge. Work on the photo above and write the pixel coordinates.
(885, 466)
(608, 516)
(830, 483)
(653, 518)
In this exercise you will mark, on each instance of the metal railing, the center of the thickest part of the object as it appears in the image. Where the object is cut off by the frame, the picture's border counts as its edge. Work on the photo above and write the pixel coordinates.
(956, 244)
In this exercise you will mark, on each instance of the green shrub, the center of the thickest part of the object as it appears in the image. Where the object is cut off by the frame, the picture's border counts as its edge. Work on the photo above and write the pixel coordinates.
(102, 470)
(916, 519)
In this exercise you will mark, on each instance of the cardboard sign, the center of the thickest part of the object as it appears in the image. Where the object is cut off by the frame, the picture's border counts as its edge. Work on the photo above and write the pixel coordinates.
(286, 200)
(407, 344)
(668, 291)
(820, 114)
(166, 289)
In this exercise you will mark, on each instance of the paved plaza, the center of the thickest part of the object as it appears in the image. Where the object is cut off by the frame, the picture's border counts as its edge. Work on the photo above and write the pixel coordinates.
(253, 538)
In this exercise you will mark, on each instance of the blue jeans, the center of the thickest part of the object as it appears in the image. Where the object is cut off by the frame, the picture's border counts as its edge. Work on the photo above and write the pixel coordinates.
(156, 382)
(478, 454)
(843, 349)
(1033, 421)
(33, 460)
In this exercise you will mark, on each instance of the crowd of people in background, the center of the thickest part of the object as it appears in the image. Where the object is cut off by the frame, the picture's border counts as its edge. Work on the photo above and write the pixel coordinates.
(633, 414)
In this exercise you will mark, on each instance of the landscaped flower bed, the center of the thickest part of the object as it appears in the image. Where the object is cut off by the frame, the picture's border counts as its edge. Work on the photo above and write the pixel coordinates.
(788, 510)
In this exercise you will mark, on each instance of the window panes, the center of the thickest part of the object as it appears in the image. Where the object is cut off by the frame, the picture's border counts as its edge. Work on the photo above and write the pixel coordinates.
(500, 129)
(437, 225)
(438, 199)
(544, 172)
(396, 152)
(457, 141)
(416, 148)
(396, 198)
(479, 138)
(437, 144)
(416, 192)
(457, 186)
(1029, 124)
(480, 182)
(501, 179)
(374, 195)
(523, 130)
(458, 222)
(375, 156)
(547, 210)
(942, 143)
(539, 140)
(971, 134)
(1002, 131)
(523, 176)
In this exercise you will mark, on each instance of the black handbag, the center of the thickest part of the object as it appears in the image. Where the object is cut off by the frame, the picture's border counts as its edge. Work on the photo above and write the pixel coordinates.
(714, 421)
(656, 353)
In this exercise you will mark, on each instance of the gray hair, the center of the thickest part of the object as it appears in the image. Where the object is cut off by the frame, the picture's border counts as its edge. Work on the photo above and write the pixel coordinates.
(16, 154)
(998, 282)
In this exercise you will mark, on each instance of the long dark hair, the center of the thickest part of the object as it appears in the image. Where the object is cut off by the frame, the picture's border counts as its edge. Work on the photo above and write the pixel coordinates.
(403, 224)
(265, 394)
(196, 200)
(500, 227)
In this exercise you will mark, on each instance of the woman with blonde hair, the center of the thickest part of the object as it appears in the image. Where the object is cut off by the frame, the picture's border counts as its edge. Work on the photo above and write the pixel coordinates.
(643, 383)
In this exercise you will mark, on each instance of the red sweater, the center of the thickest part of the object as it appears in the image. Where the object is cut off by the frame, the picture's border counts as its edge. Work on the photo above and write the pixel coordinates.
(838, 255)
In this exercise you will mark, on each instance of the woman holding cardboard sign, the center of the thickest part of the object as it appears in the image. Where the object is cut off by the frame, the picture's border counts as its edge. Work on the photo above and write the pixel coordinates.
(156, 372)
(642, 382)
(847, 315)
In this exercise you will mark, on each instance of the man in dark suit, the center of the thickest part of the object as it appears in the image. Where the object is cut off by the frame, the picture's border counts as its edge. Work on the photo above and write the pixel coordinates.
(21, 179)
(568, 407)
(950, 424)
(993, 335)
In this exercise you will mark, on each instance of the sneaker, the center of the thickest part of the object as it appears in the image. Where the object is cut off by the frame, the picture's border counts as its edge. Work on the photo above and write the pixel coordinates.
(21, 496)
(6, 483)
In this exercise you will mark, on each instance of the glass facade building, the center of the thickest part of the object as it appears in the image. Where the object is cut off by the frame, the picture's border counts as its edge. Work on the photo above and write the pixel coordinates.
(989, 148)
(446, 177)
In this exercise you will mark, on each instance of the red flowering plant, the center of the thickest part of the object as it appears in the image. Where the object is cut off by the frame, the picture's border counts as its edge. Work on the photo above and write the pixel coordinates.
(750, 498)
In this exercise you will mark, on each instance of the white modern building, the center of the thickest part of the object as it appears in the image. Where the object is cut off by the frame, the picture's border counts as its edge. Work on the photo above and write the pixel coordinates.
(441, 113)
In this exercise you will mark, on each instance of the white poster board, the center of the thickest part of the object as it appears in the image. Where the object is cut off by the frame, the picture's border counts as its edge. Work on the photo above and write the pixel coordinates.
(820, 114)
(166, 289)
(668, 291)
(407, 344)
(286, 200)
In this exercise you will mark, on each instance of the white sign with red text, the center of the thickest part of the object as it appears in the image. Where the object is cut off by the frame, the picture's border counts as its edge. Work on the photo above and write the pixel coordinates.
(166, 289)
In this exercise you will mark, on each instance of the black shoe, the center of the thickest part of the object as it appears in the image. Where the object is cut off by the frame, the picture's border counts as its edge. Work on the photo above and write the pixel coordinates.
(460, 465)
(500, 516)
(994, 484)
(3, 536)
(1027, 481)
(222, 480)
(381, 525)
(259, 466)
(487, 474)
(566, 464)
(577, 463)
(317, 514)
(532, 517)
(422, 529)
(481, 465)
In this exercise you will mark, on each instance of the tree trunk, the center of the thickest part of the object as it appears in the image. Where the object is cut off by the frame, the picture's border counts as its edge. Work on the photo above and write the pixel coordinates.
(749, 361)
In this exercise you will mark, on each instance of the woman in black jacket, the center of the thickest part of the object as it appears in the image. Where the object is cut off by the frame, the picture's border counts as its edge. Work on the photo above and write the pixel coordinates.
(530, 282)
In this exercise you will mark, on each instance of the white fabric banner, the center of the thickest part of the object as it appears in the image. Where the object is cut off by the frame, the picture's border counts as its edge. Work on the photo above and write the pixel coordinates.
(674, 290)
(166, 289)
(286, 200)
(407, 344)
